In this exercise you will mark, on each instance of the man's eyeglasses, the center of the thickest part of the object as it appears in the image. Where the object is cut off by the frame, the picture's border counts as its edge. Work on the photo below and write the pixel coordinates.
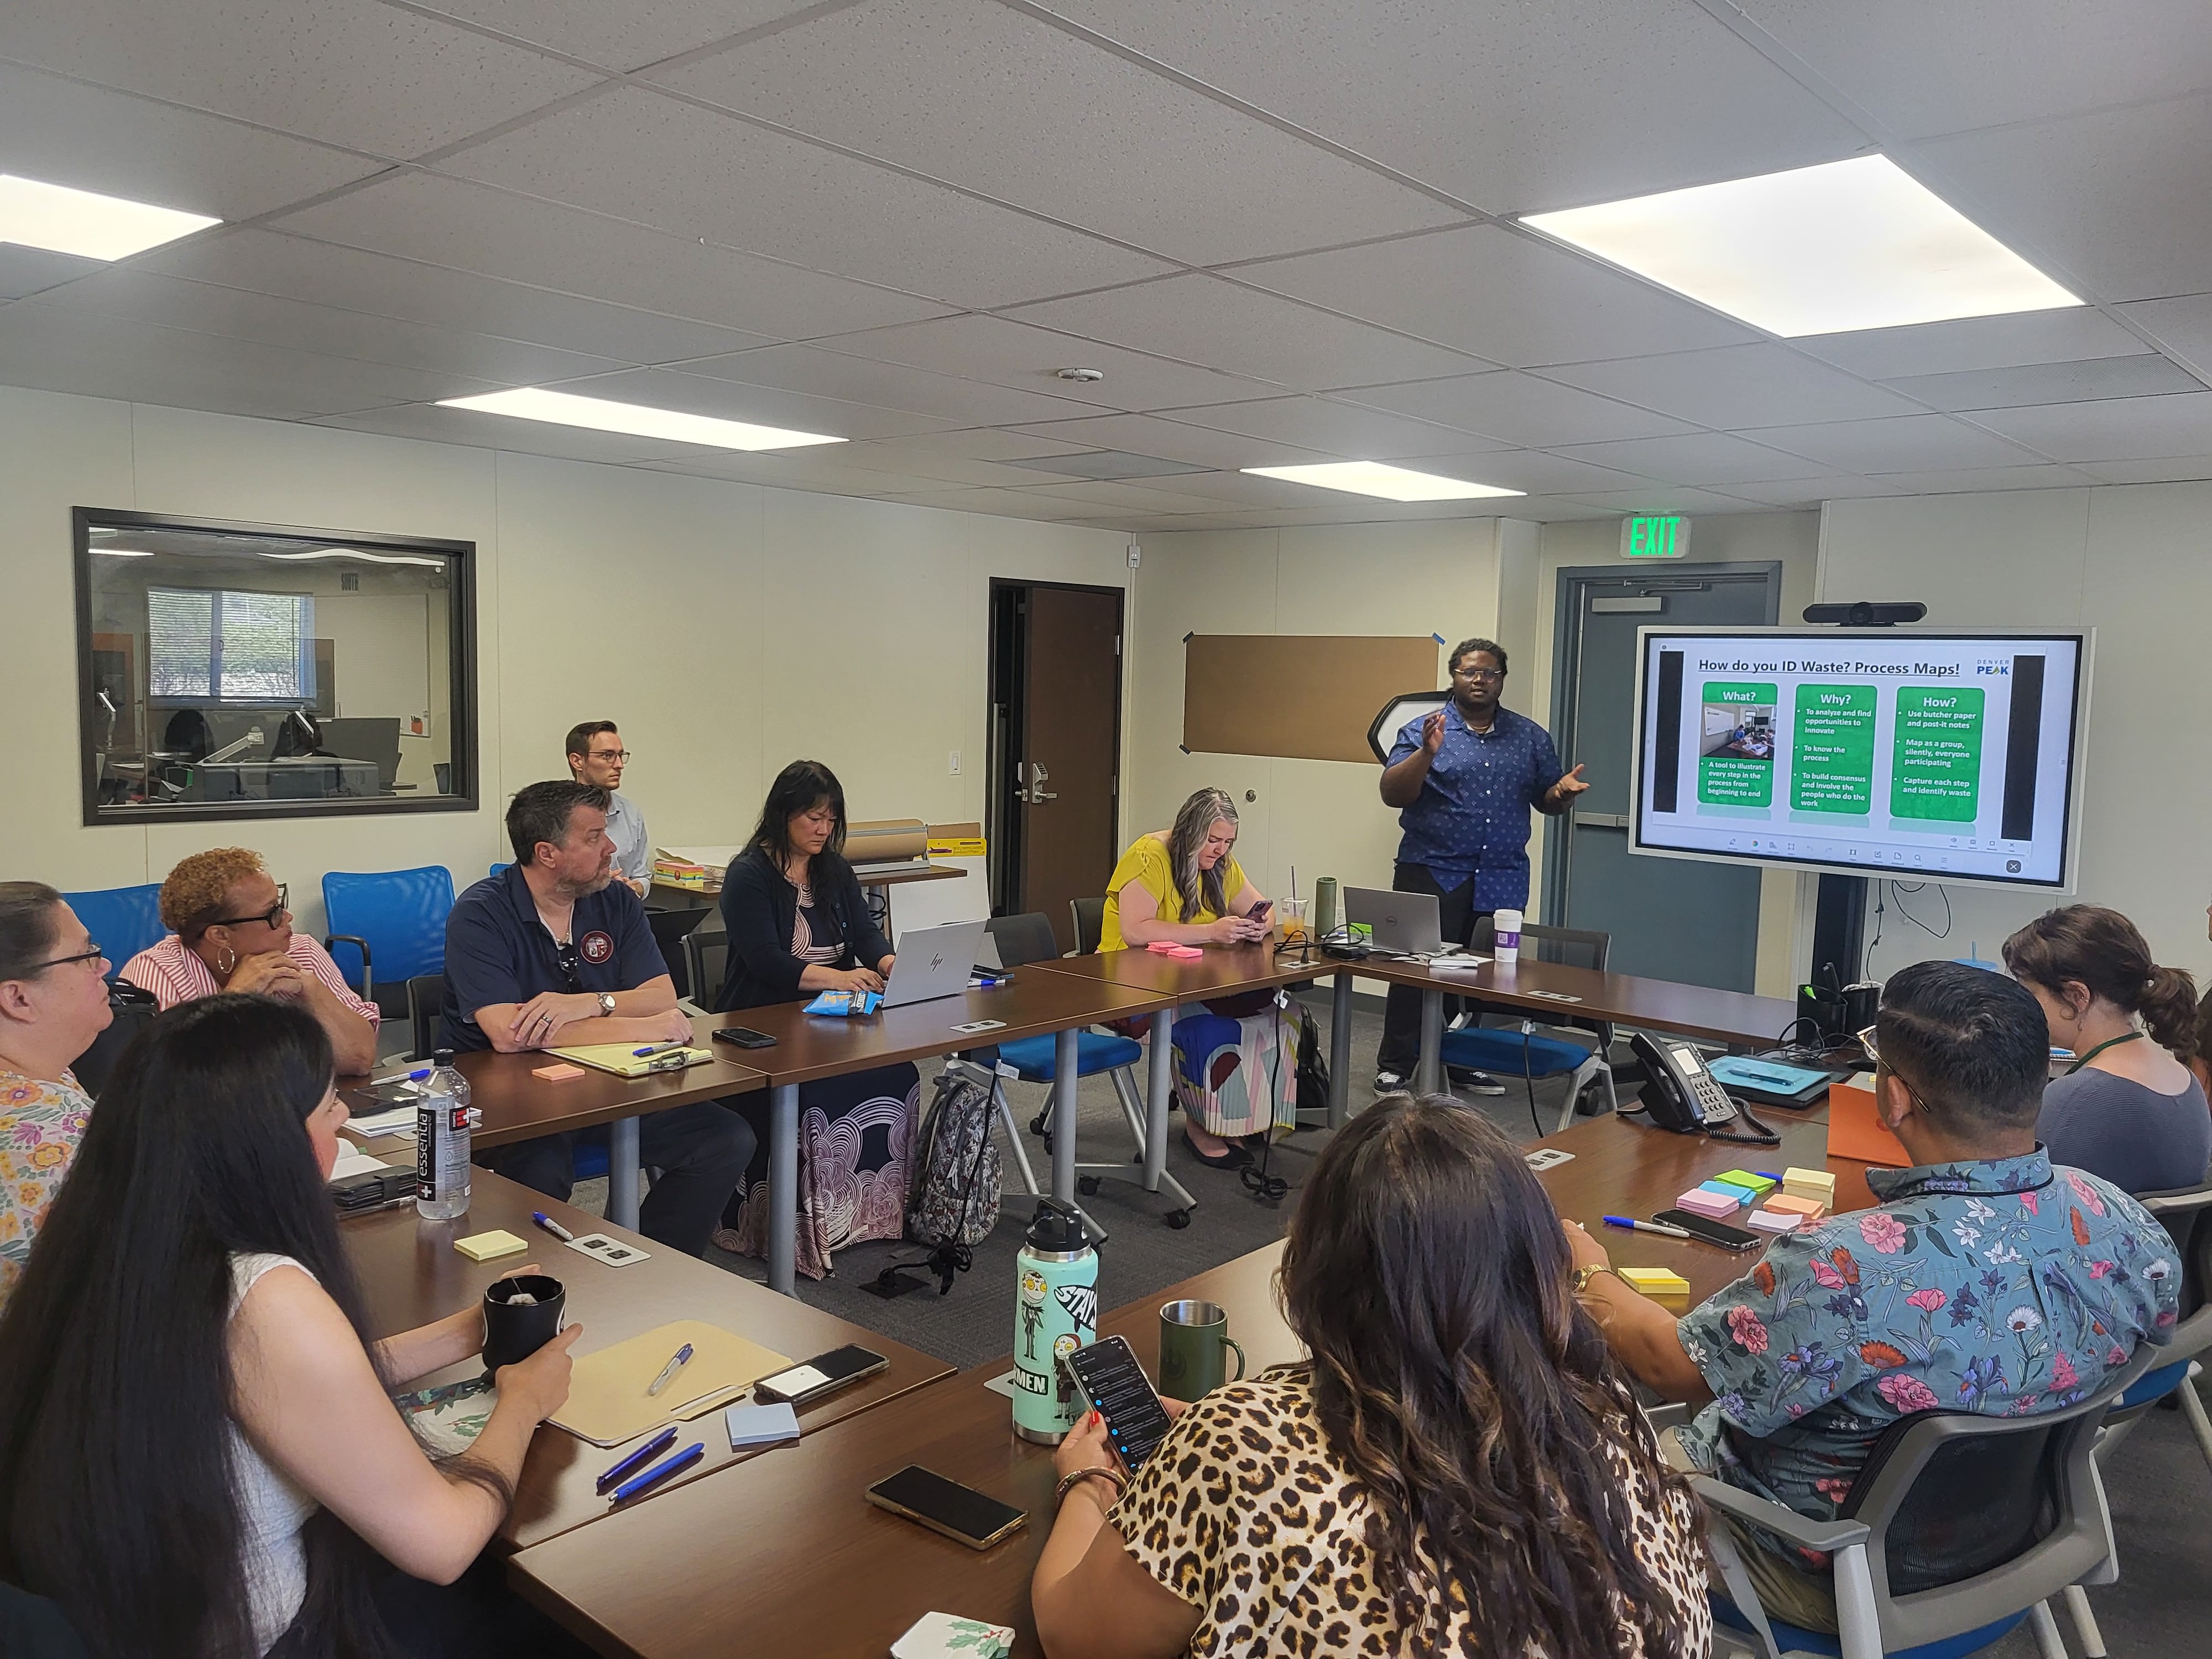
(1478, 673)
(620, 756)
(270, 918)
(90, 953)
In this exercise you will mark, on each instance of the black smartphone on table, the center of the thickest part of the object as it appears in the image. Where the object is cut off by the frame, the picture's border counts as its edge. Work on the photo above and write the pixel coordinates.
(974, 1518)
(743, 1036)
(826, 1373)
(1113, 1384)
(1706, 1231)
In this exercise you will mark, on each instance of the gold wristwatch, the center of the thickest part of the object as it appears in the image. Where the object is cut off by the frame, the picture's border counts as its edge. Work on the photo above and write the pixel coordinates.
(1580, 1283)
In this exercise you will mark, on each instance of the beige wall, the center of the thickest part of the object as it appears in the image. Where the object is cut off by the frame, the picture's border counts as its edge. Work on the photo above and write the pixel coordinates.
(727, 627)
(2129, 562)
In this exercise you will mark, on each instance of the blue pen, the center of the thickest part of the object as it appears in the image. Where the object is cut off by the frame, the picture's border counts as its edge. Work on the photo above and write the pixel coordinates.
(552, 1226)
(677, 1362)
(1770, 1174)
(657, 1049)
(638, 1459)
(660, 1472)
(1635, 1226)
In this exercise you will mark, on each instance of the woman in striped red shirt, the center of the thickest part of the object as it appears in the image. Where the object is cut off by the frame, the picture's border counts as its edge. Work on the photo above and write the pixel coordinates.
(230, 930)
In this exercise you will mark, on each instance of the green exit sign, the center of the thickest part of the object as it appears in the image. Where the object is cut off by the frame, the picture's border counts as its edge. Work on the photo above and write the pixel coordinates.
(1649, 538)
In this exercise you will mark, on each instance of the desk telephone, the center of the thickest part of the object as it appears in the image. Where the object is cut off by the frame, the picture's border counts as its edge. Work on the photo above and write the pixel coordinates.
(1682, 1094)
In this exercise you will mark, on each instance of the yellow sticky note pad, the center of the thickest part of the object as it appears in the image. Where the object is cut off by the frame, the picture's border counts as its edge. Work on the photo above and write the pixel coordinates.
(490, 1247)
(1656, 1281)
(1809, 1183)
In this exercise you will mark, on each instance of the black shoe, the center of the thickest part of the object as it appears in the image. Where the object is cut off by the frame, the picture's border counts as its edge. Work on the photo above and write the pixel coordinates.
(1474, 1082)
(1230, 1157)
(1388, 1081)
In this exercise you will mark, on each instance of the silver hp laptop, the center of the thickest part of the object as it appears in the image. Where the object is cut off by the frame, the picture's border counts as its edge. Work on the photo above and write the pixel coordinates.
(1405, 923)
(934, 962)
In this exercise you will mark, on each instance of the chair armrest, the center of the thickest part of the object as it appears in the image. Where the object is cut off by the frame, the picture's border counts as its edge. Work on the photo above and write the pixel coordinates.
(367, 980)
(1802, 1531)
(1667, 1415)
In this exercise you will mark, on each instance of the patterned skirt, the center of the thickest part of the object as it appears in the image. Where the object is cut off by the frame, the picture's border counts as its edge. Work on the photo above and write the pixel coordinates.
(854, 1136)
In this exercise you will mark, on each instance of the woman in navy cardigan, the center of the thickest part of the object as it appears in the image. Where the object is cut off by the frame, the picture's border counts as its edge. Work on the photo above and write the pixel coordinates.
(799, 924)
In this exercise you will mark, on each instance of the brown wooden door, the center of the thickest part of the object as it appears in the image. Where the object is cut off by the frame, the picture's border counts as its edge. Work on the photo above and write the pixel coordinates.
(1068, 758)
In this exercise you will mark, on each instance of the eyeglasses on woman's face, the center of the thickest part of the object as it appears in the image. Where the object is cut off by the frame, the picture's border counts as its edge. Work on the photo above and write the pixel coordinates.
(91, 953)
(272, 917)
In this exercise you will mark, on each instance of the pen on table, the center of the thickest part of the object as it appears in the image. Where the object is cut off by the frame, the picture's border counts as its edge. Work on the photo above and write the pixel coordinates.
(660, 1472)
(677, 1363)
(1636, 1226)
(637, 1460)
(659, 1047)
(552, 1226)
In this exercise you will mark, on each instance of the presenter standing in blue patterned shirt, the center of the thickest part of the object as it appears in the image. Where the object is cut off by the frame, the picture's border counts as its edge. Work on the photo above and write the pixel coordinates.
(1464, 780)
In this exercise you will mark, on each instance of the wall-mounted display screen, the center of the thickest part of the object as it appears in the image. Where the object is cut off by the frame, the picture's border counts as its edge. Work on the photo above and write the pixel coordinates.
(1919, 756)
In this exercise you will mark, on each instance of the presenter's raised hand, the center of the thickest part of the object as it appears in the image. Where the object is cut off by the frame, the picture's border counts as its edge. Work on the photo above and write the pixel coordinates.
(1432, 733)
(1569, 786)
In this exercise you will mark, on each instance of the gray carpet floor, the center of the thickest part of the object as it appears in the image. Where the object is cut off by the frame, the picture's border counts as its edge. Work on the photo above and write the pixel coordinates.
(2159, 1486)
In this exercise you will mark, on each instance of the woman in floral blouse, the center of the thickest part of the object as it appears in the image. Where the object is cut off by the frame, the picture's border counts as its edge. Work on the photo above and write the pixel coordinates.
(53, 1003)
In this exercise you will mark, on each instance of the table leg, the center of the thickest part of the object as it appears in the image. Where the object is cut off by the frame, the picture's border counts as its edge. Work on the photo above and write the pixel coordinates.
(1064, 1085)
(1340, 1051)
(621, 1172)
(1429, 1073)
(783, 1189)
(1159, 1085)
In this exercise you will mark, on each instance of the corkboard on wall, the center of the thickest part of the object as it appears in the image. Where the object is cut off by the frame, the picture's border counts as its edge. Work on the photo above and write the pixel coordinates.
(1302, 696)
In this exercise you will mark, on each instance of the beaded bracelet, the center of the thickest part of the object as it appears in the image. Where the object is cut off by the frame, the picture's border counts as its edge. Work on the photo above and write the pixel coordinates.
(1067, 1481)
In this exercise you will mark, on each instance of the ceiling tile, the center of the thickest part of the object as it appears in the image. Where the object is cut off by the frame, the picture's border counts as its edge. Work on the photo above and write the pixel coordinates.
(2181, 325)
(173, 302)
(2110, 203)
(349, 72)
(628, 36)
(1007, 105)
(1694, 457)
(1110, 463)
(1736, 387)
(638, 156)
(1338, 429)
(1922, 69)
(1503, 294)
(31, 269)
(90, 139)
(890, 386)
(1204, 320)
(1513, 108)
(445, 221)
(1979, 479)
(1241, 490)
(982, 443)
(1667, 498)
(1023, 356)
(264, 262)
(2125, 428)
(2173, 469)
(1150, 434)
(432, 424)
(2068, 335)
(59, 350)
(1811, 492)
(1139, 497)
(2139, 376)
(1907, 442)
(1518, 410)
(1534, 471)
(701, 394)
(937, 471)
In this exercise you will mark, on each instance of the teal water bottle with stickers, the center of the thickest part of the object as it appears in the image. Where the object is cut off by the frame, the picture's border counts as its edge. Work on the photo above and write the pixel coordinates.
(1055, 1312)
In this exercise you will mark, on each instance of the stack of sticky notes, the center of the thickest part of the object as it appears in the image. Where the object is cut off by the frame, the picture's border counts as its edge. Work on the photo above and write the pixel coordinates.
(490, 1247)
(1756, 1184)
(1656, 1281)
(1809, 1183)
(1710, 1200)
(1807, 1210)
(1769, 1219)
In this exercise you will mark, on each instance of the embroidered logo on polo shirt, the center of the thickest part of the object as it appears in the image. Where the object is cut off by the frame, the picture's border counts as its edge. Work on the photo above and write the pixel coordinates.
(596, 947)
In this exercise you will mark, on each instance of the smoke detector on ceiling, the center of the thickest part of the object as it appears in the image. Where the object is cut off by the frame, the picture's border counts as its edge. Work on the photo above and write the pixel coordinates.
(1084, 375)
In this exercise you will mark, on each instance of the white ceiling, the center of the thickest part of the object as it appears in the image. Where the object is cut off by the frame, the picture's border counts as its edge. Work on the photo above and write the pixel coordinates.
(1284, 229)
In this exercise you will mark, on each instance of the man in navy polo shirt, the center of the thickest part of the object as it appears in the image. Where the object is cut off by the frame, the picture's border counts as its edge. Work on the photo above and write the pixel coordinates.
(553, 952)
(1464, 779)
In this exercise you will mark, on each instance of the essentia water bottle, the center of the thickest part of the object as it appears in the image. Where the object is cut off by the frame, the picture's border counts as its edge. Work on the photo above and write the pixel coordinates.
(443, 1118)
(1055, 1312)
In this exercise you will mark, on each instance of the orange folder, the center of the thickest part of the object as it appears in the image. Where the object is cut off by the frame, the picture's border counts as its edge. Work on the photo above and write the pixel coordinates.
(1855, 1132)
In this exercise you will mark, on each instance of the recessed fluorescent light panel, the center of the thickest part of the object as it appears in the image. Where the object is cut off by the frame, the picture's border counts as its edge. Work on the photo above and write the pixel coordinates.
(1818, 250)
(1392, 484)
(603, 415)
(93, 227)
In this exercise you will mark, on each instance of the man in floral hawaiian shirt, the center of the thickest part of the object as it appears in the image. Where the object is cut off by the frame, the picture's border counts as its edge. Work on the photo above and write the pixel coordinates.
(1986, 1280)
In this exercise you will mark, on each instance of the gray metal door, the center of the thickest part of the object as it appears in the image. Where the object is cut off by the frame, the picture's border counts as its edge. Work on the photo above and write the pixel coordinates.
(1669, 918)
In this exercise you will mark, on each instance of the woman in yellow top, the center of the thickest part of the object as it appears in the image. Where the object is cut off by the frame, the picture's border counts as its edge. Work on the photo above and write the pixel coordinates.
(1185, 886)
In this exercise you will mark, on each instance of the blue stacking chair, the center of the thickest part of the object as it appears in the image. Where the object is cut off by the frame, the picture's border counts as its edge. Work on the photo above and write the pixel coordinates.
(122, 920)
(393, 922)
(1520, 1050)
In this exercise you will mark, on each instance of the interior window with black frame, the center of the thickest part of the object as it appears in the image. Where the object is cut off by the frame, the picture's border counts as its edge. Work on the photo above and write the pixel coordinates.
(239, 670)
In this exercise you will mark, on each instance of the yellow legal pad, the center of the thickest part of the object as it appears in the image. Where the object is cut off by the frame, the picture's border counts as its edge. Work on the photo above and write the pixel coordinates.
(623, 1059)
(607, 1401)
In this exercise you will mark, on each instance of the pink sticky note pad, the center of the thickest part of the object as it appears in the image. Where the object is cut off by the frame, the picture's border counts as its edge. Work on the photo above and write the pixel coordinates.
(561, 1073)
(1170, 948)
(1774, 1221)
(1699, 1201)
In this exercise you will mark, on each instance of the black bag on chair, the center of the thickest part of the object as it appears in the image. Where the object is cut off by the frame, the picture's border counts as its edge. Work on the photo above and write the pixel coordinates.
(1312, 1085)
(131, 1008)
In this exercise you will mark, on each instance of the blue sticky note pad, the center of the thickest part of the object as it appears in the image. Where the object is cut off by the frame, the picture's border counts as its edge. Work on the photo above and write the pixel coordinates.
(1729, 1189)
(760, 1425)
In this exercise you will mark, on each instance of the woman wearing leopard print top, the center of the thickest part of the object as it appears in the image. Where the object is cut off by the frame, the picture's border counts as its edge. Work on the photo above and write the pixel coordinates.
(1459, 1469)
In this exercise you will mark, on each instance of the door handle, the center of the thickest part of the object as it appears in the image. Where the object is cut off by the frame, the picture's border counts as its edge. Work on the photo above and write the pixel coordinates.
(1601, 820)
(1037, 794)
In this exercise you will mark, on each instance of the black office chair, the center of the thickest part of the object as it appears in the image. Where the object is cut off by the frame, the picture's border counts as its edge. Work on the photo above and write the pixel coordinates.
(706, 958)
(426, 999)
(670, 929)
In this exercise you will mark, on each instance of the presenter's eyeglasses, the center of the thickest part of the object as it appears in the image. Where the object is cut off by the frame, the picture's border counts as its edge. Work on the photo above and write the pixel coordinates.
(1478, 673)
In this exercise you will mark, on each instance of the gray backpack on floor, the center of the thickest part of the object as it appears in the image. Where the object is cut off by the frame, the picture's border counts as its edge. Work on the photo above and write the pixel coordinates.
(953, 1195)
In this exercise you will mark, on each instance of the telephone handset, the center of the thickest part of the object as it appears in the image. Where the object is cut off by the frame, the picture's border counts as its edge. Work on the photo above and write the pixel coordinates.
(1682, 1094)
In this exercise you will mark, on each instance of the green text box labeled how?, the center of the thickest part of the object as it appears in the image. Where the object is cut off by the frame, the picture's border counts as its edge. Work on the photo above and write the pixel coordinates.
(1735, 715)
(1832, 759)
(1936, 760)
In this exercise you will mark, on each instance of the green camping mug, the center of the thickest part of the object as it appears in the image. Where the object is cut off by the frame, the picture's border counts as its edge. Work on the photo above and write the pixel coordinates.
(1193, 1335)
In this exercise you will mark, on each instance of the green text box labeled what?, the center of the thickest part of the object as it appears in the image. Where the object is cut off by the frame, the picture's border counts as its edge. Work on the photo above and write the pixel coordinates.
(1936, 760)
(1737, 720)
(1831, 757)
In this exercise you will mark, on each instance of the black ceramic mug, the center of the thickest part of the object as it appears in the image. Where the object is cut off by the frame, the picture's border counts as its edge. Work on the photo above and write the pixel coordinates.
(522, 1314)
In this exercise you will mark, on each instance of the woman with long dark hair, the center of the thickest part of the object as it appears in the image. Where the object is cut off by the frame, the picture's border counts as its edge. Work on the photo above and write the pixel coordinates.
(2128, 1108)
(195, 1441)
(1460, 1468)
(797, 926)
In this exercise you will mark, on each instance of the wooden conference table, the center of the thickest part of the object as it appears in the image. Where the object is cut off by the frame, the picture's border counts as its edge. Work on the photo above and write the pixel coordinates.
(786, 1552)
(411, 1275)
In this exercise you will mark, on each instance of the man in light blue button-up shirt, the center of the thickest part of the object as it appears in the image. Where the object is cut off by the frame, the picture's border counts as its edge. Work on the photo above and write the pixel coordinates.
(595, 757)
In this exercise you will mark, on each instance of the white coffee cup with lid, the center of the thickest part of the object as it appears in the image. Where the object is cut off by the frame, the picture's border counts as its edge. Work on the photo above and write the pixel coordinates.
(1506, 925)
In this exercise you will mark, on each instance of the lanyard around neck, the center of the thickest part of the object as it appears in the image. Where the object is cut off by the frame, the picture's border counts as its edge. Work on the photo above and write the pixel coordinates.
(2124, 1036)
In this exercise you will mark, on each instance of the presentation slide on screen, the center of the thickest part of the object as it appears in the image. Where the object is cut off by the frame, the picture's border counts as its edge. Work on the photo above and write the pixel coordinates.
(1912, 755)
